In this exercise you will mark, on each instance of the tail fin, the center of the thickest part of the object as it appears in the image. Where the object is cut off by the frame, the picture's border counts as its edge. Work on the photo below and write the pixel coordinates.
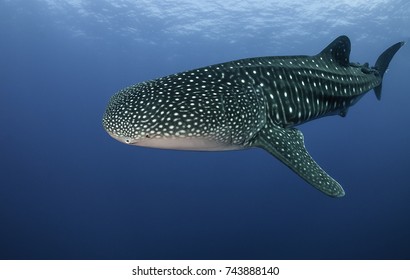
(382, 63)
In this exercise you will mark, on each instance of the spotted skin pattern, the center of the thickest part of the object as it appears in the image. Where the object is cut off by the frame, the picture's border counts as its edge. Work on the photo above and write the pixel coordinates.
(203, 103)
(253, 102)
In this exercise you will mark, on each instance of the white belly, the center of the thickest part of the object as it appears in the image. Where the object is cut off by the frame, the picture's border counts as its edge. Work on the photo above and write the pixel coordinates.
(179, 143)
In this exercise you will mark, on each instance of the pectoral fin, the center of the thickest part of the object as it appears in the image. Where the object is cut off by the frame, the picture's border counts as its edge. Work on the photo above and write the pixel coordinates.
(288, 146)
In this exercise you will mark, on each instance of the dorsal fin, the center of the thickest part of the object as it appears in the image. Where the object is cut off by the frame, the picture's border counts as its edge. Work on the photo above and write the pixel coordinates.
(338, 51)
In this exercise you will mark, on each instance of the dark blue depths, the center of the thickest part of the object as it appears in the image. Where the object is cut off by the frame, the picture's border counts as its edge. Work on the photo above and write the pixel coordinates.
(69, 191)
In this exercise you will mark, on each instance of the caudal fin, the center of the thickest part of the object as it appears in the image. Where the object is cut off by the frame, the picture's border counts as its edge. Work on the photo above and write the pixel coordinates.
(383, 62)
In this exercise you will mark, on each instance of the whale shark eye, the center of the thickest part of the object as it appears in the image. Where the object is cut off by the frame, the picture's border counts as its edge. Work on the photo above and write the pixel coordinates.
(147, 136)
(127, 141)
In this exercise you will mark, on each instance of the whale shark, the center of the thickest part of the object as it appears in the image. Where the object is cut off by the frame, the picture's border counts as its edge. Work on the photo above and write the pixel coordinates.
(252, 102)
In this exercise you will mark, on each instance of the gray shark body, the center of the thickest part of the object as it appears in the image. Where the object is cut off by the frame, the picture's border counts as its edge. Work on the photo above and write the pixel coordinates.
(246, 103)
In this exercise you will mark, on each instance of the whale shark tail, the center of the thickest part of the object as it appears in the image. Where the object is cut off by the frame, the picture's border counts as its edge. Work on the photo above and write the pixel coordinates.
(382, 63)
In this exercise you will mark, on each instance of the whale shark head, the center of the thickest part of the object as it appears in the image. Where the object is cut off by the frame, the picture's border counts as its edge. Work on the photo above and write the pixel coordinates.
(139, 115)
(184, 111)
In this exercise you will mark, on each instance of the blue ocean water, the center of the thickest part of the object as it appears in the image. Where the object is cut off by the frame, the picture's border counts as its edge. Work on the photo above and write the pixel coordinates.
(69, 191)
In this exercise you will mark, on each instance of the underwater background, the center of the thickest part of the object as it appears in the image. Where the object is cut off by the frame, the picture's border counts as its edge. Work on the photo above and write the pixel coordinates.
(69, 191)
